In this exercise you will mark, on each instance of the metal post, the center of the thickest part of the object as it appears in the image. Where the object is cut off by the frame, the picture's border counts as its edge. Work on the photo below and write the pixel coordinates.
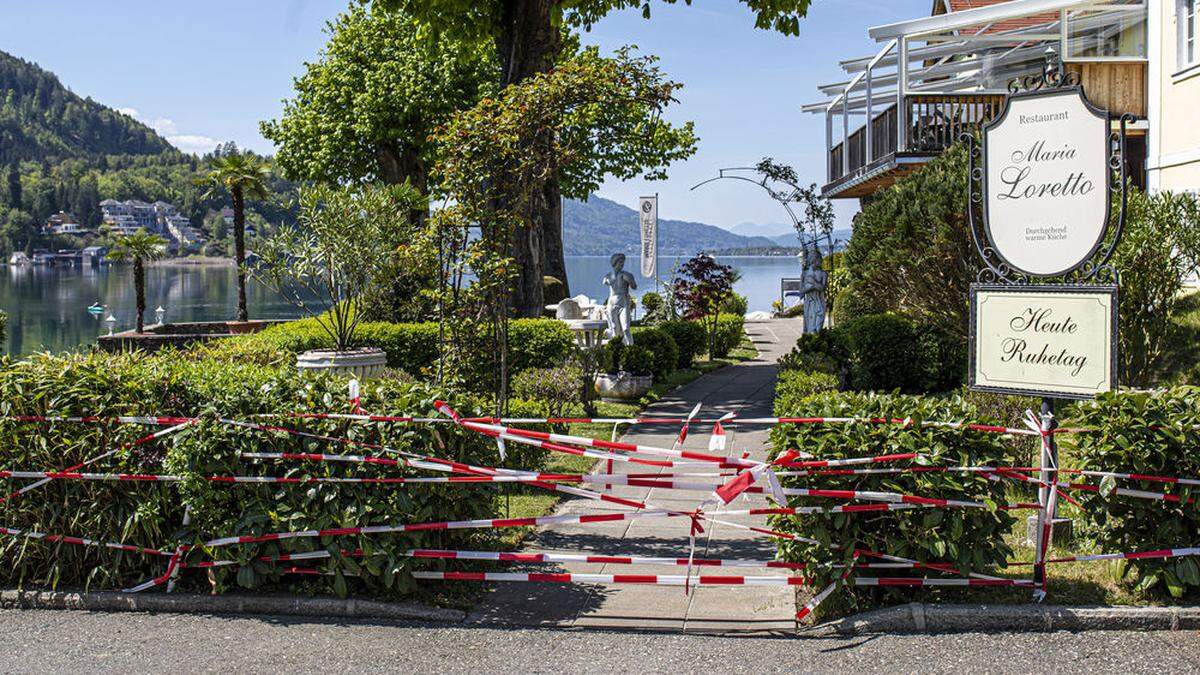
(1048, 476)
(828, 145)
(867, 132)
(901, 91)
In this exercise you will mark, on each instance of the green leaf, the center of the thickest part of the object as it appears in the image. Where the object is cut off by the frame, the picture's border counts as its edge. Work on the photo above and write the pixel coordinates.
(1108, 485)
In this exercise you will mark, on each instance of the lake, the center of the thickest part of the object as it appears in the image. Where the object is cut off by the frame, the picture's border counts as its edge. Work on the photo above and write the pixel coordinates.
(47, 306)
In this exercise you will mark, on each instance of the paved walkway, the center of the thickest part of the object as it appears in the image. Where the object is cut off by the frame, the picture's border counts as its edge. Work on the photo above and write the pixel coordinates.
(747, 389)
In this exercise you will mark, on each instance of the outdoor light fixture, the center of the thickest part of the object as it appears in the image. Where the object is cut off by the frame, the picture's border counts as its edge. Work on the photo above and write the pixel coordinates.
(159, 314)
(111, 321)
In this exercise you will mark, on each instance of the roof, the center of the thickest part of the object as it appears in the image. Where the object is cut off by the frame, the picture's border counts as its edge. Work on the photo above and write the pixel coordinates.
(1001, 15)
(1005, 24)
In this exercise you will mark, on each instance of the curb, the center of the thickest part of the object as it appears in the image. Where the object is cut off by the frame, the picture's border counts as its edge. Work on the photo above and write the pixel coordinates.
(922, 618)
(349, 608)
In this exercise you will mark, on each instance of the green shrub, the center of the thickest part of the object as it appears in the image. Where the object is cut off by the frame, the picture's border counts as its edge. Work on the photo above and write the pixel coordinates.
(970, 538)
(730, 330)
(3, 325)
(638, 359)
(556, 390)
(654, 309)
(883, 353)
(662, 346)
(941, 356)
(411, 347)
(795, 385)
(824, 351)
(1152, 433)
(689, 337)
(150, 514)
(735, 304)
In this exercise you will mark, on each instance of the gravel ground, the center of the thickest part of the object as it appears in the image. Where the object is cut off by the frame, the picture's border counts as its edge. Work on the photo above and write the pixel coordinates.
(74, 641)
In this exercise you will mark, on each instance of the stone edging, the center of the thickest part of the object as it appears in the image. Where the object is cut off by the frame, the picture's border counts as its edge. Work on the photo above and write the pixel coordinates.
(921, 618)
(349, 608)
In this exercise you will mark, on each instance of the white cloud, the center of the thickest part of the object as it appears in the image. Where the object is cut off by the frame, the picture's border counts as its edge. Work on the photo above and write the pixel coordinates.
(167, 128)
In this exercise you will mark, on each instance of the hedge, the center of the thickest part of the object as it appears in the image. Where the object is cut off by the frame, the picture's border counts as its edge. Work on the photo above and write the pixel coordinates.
(1152, 433)
(795, 385)
(151, 514)
(689, 337)
(411, 347)
(970, 538)
(662, 346)
(730, 330)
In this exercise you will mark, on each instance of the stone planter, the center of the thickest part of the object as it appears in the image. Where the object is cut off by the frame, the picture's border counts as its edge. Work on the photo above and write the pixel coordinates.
(362, 363)
(622, 387)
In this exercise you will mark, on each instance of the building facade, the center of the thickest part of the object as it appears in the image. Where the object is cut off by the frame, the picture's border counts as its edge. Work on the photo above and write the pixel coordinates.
(1173, 161)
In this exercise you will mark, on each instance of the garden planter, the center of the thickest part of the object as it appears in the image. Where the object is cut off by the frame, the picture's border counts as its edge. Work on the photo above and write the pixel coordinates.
(623, 386)
(364, 362)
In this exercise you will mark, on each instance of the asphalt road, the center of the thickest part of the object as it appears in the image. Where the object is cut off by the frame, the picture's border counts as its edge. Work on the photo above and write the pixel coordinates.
(74, 641)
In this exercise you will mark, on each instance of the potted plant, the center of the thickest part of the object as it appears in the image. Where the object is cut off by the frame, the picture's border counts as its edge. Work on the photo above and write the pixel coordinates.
(626, 372)
(343, 241)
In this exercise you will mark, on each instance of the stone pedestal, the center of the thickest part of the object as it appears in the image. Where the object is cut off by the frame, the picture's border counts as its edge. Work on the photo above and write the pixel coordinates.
(1062, 531)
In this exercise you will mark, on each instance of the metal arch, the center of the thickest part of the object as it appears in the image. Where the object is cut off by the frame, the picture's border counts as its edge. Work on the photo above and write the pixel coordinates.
(784, 201)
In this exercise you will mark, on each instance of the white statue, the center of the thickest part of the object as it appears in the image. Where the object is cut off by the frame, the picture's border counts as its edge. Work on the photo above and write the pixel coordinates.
(812, 287)
(619, 284)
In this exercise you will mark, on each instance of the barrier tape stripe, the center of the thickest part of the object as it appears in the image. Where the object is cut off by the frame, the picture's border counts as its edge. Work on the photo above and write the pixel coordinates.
(1138, 555)
(647, 579)
(939, 581)
(82, 541)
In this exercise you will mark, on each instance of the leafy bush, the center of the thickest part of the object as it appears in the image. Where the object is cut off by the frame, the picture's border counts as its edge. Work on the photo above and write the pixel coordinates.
(735, 304)
(728, 335)
(795, 385)
(883, 353)
(411, 347)
(556, 390)
(824, 351)
(970, 538)
(941, 357)
(636, 359)
(1160, 248)
(150, 514)
(689, 338)
(662, 346)
(3, 325)
(1152, 433)
(654, 309)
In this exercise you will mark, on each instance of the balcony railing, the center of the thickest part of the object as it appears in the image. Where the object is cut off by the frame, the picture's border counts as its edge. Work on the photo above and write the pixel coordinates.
(933, 122)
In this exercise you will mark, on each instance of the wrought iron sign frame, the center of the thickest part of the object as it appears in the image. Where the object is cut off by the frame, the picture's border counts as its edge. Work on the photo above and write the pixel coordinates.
(1095, 267)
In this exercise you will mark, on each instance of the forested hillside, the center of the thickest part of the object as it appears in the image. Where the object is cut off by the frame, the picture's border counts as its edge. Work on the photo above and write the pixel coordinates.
(60, 152)
(40, 119)
(601, 226)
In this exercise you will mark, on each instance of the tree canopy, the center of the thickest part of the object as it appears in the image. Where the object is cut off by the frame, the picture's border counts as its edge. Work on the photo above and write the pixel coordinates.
(364, 110)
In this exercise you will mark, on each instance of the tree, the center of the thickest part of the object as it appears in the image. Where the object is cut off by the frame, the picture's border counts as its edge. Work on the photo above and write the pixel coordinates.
(344, 242)
(14, 186)
(527, 40)
(605, 115)
(139, 247)
(245, 176)
(364, 111)
(702, 287)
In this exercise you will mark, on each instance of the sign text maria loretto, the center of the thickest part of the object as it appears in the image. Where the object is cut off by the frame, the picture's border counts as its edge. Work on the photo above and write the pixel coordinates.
(1049, 341)
(1047, 182)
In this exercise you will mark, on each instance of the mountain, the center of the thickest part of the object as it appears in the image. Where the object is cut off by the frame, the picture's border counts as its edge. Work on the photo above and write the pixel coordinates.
(840, 238)
(42, 120)
(769, 230)
(601, 226)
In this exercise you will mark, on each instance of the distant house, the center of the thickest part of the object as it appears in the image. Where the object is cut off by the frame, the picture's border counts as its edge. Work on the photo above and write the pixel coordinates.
(64, 223)
(130, 216)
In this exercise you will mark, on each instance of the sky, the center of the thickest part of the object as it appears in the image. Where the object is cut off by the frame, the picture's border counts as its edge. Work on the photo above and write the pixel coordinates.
(206, 72)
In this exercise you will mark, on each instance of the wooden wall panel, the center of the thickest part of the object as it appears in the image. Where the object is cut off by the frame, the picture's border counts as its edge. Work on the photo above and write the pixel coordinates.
(1119, 87)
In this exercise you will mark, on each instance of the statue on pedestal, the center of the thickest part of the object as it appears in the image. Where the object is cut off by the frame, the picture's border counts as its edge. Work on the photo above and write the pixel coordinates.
(813, 281)
(619, 284)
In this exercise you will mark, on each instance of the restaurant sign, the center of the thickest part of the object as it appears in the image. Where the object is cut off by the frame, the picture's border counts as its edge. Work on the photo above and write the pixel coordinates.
(648, 221)
(1046, 181)
(1043, 340)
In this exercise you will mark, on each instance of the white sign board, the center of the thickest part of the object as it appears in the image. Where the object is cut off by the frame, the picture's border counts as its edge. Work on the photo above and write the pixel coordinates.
(1046, 181)
(648, 215)
(1043, 340)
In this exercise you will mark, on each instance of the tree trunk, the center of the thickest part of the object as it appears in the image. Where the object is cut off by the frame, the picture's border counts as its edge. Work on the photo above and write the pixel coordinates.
(399, 165)
(527, 44)
(239, 249)
(139, 292)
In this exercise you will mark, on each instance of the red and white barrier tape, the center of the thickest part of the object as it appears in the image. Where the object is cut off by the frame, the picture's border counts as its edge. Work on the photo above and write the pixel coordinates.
(647, 579)
(82, 541)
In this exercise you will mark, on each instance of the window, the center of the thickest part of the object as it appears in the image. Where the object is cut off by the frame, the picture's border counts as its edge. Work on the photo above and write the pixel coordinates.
(1188, 22)
(1114, 31)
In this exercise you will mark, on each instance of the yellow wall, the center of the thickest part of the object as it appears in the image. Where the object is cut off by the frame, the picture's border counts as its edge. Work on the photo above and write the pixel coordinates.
(1178, 141)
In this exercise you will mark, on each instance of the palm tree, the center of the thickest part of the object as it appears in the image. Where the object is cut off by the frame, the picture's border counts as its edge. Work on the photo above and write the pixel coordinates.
(140, 247)
(245, 176)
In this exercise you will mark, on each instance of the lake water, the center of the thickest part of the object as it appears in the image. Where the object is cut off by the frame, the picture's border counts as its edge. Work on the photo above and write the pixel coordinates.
(47, 306)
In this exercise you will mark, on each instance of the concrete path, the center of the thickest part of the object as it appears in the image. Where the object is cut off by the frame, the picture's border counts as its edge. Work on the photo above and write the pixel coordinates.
(747, 389)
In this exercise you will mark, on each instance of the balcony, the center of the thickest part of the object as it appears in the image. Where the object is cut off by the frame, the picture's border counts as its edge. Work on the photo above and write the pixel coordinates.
(932, 123)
